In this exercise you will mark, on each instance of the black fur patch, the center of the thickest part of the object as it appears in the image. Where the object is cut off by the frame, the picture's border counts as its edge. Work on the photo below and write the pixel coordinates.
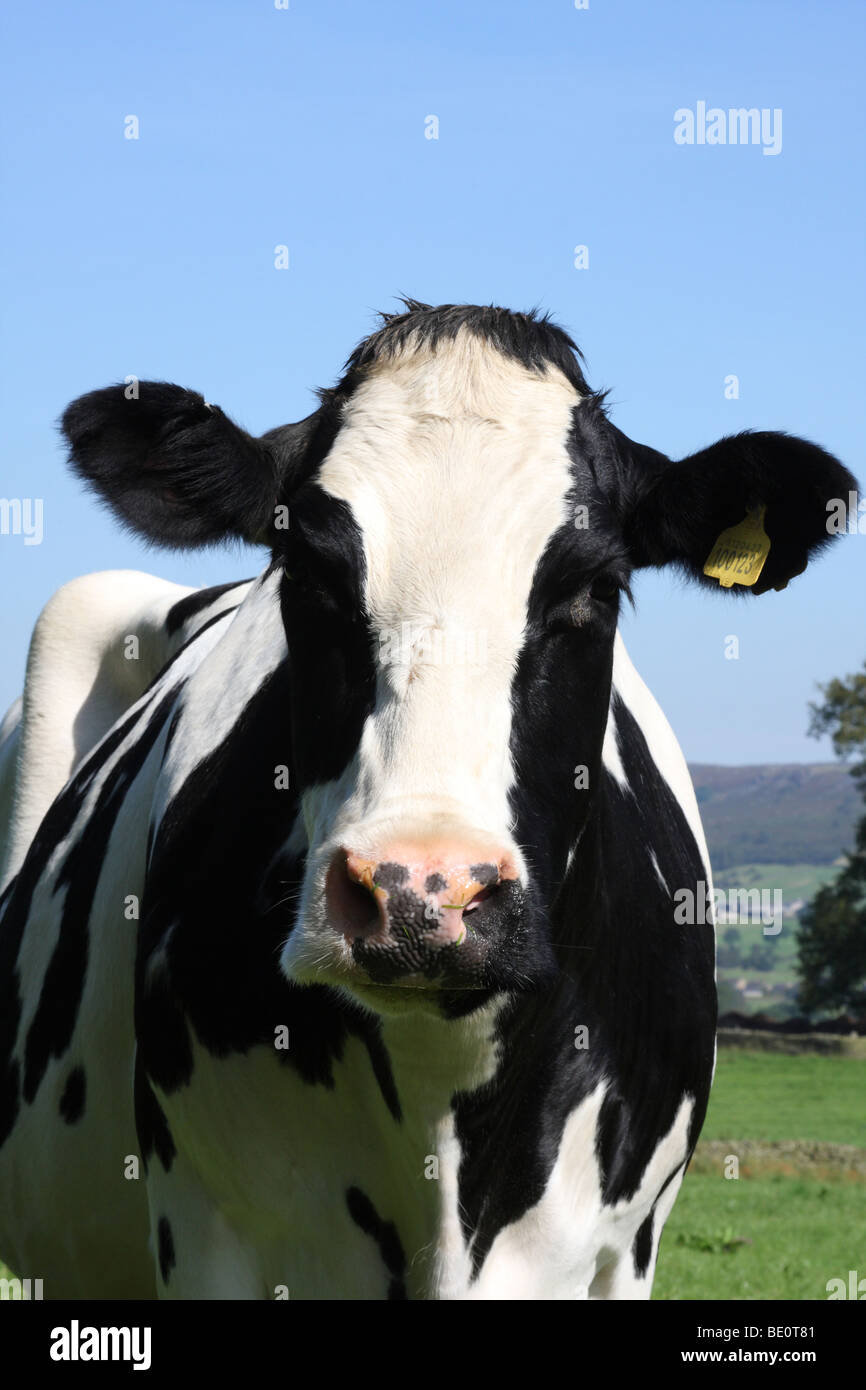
(151, 1124)
(189, 607)
(333, 675)
(642, 1248)
(384, 1233)
(54, 1020)
(380, 1061)
(74, 1095)
(165, 1248)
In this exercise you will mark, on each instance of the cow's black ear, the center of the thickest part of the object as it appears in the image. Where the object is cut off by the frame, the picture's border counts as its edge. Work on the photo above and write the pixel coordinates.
(681, 508)
(173, 468)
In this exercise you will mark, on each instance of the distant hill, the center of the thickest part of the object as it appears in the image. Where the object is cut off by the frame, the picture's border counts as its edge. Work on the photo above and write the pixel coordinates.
(779, 813)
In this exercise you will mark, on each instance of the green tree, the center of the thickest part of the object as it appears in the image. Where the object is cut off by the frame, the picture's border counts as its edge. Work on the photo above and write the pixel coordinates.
(759, 958)
(831, 944)
(729, 951)
(842, 715)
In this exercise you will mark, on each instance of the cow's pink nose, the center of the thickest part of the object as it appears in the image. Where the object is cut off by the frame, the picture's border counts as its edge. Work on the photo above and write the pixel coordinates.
(421, 891)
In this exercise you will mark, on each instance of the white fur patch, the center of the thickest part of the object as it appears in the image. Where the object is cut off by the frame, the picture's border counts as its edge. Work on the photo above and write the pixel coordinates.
(661, 743)
(83, 673)
(455, 465)
(224, 681)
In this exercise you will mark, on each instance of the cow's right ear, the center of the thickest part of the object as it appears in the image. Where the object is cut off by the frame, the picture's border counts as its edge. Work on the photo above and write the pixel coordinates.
(173, 468)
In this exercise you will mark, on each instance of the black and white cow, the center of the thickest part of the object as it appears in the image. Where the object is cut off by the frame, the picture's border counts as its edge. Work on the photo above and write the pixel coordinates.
(344, 897)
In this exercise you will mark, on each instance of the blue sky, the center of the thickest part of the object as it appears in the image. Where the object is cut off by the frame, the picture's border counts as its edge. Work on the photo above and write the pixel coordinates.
(306, 127)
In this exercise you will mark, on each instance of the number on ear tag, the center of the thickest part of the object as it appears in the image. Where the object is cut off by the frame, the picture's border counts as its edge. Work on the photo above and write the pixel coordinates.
(740, 552)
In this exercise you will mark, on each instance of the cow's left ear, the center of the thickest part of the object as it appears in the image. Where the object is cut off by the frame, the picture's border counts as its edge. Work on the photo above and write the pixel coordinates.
(681, 509)
(177, 470)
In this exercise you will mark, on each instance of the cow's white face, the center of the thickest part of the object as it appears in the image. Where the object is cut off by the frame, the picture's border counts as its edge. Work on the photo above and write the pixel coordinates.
(456, 468)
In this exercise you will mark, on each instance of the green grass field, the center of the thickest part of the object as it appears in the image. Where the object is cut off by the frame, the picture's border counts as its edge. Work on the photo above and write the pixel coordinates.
(771, 1236)
(755, 1238)
(795, 880)
(765, 1095)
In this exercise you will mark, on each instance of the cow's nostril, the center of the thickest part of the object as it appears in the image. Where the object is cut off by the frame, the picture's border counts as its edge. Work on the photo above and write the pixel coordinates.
(481, 897)
(352, 908)
(360, 907)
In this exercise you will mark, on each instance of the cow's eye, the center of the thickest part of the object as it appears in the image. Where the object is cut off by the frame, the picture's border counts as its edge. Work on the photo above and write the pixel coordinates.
(604, 588)
(582, 607)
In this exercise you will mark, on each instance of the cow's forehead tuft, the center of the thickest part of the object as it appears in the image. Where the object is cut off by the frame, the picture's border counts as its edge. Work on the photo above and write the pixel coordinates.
(459, 377)
(530, 338)
(455, 462)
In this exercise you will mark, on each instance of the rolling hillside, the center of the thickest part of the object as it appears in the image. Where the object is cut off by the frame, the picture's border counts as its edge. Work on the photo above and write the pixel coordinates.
(782, 813)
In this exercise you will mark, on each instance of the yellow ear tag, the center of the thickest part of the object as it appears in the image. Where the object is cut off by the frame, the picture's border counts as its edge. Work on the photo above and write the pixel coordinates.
(740, 552)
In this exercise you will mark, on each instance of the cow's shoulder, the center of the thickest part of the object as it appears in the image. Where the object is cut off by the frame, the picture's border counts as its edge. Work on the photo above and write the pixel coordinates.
(96, 647)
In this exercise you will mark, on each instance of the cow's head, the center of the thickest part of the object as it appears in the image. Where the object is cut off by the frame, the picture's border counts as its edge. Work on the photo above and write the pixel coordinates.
(455, 527)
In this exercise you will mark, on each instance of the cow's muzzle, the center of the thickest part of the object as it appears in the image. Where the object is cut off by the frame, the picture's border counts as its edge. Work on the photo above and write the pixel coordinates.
(420, 915)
